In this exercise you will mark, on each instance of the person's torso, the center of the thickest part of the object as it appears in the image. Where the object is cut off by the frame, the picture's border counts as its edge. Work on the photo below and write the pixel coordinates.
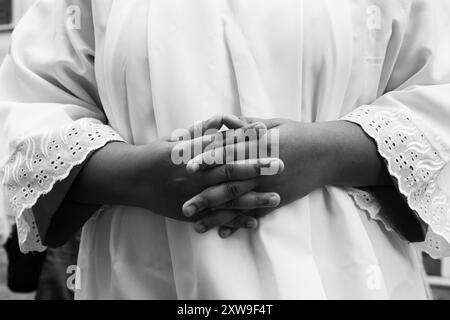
(166, 64)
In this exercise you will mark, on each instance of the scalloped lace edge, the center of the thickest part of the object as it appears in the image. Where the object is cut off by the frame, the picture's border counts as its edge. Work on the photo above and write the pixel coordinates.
(367, 202)
(30, 173)
(415, 164)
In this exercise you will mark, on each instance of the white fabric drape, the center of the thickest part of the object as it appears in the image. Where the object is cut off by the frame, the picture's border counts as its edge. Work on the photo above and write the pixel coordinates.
(50, 112)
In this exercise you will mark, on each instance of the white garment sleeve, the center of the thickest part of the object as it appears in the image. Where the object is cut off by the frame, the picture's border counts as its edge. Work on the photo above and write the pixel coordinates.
(410, 121)
(51, 117)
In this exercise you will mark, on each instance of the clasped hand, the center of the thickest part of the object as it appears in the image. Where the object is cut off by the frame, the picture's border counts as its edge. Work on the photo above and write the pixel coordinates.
(235, 192)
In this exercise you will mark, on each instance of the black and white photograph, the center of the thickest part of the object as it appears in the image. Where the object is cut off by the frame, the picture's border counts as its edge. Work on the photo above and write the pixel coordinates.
(201, 151)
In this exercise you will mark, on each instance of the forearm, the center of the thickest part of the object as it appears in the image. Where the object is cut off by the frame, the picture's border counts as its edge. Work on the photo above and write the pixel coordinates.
(352, 156)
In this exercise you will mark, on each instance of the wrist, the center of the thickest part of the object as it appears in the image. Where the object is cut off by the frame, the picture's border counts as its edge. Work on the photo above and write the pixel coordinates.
(123, 163)
(308, 152)
(351, 156)
(149, 173)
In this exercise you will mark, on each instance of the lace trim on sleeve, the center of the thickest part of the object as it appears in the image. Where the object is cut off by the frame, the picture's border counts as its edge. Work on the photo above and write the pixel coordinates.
(40, 162)
(368, 203)
(415, 164)
(435, 245)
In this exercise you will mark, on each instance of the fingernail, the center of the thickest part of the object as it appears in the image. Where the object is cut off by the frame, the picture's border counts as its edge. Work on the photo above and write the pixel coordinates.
(268, 163)
(274, 200)
(200, 228)
(260, 129)
(252, 224)
(193, 167)
(275, 163)
(265, 162)
(225, 233)
(190, 210)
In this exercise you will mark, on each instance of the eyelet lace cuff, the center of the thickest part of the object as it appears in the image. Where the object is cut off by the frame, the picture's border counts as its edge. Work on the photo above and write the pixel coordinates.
(40, 162)
(368, 203)
(415, 164)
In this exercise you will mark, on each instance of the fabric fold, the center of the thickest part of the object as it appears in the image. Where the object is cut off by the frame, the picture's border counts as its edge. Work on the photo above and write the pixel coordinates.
(51, 116)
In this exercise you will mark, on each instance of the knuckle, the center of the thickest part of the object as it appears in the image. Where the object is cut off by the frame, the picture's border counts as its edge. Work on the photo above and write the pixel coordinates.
(206, 124)
(256, 168)
(219, 219)
(229, 204)
(234, 203)
(240, 222)
(232, 190)
(229, 171)
(217, 118)
(202, 201)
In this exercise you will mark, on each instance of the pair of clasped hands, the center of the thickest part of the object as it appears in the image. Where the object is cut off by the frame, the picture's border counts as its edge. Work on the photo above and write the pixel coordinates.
(232, 194)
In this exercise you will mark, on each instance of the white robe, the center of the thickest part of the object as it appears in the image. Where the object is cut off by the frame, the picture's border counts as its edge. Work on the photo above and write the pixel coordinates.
(140, 69)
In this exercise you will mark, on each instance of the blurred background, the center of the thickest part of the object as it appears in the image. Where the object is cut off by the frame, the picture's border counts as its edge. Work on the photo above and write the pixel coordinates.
(10, 12)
